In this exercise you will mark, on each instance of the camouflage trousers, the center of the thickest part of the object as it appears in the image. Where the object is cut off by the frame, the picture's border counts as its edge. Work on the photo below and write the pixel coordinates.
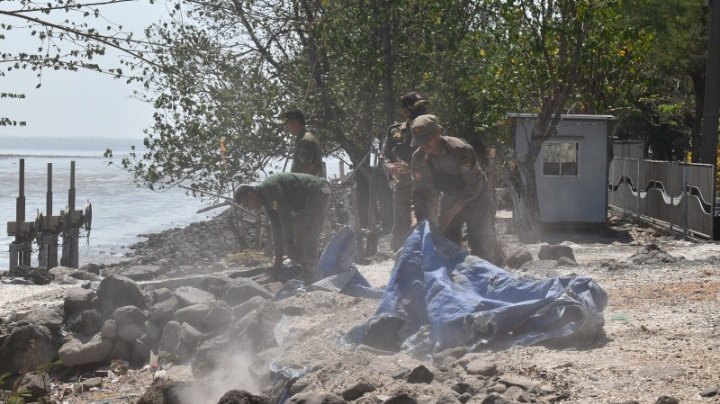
(479, 217)
(307, 228)
(402, 215)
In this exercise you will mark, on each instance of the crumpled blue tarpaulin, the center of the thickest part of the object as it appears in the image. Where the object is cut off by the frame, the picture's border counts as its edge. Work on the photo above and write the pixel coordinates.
(338, 261)
(440, 297)
(335, 271)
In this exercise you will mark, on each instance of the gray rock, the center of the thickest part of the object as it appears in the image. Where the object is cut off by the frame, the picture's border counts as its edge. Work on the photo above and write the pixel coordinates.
(188, 295)
(118, 291)
(566, 262)
(50, 317)
(109, 329)
(494, 398)
(240, 290)
(497, 388)
(420, 374)
(357, 390)
(667, 400)
(218, 316)
(163, 391)
(209, 354)
(88, 384)
(214, 284)
(315, 398)
(242, 397)
(121, 350)
(293, 310)
(523, 383)
(518, 257)
(384, 332)
(33, 386)
(129, 315)
(189, 335)
(143, 272)
(153, 331)
(194, 315)
(39, 276)
(163, 311)
(130, 332)
(251, 304)
(88, 322)
(711, 391)
(481, 367)
(652, 254)
(140, 354)
(26, 348)
(256, 331)
(516, 393)
(76, 352)
(554, 252)
(83, 275)
(402, 398)
(161, 294)
(170, 337)
(77, 300)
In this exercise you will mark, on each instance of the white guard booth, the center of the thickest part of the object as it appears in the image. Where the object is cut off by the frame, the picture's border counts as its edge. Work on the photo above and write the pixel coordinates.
(571, 171)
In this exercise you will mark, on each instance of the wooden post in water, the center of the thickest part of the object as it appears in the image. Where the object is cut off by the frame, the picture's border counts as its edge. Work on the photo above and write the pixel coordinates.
(71, 227)
(21, 248)
(49, 228)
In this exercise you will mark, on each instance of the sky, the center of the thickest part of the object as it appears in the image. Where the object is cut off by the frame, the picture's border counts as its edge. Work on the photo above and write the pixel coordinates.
(77, 104)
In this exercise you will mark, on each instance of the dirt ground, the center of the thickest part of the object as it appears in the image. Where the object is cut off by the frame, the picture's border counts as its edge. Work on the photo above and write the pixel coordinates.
(662, 332)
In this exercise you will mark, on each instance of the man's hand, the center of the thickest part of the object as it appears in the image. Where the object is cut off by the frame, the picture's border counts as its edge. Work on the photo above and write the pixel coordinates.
(398, 169)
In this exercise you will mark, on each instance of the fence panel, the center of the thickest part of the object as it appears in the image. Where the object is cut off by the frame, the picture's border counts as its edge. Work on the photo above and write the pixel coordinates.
(677, 194)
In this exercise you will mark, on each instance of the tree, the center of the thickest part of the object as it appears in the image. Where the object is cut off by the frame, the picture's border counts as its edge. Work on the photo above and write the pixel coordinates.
(71, 35)
(342, 62)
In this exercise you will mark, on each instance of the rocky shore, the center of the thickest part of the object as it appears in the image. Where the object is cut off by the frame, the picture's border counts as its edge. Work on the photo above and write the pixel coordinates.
(189, 318)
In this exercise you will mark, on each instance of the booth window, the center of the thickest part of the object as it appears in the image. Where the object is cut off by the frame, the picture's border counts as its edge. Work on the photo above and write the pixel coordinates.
(560, 159)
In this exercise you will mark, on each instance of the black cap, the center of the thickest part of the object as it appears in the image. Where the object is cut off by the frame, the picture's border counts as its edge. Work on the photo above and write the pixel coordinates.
(293, 113)
(412, 100)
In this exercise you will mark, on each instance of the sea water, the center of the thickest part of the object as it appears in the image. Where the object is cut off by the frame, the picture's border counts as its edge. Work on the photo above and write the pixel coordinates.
(121, 211)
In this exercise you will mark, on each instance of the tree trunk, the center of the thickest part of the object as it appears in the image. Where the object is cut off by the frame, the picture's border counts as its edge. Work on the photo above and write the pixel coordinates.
(711, 108)
(526, 215)
(698, 81)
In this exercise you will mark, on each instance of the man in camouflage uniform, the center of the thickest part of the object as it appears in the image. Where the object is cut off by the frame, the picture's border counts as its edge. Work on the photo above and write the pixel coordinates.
(307, 157)
(449, 165)
(296, 205)
(396, 155)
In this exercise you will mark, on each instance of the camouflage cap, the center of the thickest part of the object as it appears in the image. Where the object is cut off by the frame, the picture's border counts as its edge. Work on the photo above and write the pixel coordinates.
(428, 124)
(294, 114)
(242, 191)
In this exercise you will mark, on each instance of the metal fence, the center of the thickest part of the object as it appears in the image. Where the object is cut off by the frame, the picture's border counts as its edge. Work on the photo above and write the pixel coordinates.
(678, 195)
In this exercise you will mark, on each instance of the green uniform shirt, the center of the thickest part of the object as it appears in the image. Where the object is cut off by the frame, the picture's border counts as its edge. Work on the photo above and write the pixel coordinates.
(283, 195)
(307, 157)
(455, 172)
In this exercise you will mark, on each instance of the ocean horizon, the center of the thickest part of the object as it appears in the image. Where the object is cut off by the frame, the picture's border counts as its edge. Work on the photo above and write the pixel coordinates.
(121, 210)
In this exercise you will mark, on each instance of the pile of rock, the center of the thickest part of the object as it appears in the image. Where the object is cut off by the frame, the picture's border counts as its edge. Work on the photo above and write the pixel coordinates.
(124, 320)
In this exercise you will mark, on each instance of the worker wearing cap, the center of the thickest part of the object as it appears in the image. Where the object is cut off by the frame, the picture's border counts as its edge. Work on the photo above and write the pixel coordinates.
(307, 157)
(396, 155)
(296, 204)
(448, 165)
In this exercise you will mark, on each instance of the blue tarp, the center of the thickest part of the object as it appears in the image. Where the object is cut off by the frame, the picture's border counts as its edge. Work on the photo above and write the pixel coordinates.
(440, 297)
(335, 271)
